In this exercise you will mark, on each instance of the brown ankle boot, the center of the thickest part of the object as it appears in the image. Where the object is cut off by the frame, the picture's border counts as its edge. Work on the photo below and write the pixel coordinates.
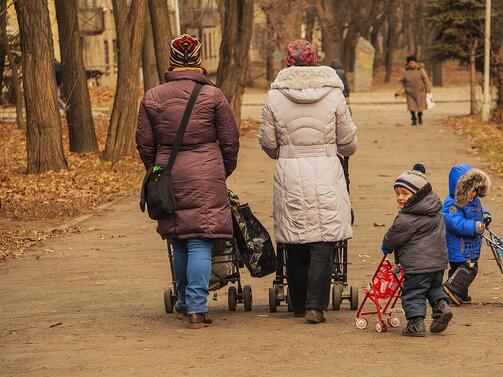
(199, 320)
(315, 316)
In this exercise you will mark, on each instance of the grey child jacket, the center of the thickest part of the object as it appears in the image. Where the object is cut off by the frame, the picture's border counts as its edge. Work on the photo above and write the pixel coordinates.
(417, 235)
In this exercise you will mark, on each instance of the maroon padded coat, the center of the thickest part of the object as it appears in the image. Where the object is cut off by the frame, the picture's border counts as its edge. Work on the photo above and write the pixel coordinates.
(207, 156)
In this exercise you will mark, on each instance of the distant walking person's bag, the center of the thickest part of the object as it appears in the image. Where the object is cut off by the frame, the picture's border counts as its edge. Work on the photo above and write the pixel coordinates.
(157, 188)
(430, 103)
(252, 240)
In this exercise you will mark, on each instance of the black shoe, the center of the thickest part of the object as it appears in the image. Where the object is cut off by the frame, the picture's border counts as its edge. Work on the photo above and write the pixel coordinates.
(414, 122)
(199, 320)
(467, 300)
(442, 314)
(455, 299)
(415, 327)
(315, 316)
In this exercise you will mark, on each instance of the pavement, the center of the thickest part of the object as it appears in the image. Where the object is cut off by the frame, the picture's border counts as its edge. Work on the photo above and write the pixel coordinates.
(91, 303)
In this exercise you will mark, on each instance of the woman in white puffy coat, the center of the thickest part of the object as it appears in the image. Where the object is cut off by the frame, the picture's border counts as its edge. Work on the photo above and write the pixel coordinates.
(305, 124)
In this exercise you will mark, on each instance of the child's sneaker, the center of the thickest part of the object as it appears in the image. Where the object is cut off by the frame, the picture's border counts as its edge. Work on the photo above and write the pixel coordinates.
(442, 314)
(415, 327)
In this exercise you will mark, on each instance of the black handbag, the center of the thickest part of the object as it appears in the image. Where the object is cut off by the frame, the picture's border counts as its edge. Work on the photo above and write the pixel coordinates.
(157, 189)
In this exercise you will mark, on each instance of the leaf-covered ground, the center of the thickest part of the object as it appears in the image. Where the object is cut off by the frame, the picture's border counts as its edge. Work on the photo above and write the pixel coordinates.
(31, 204)
(486, 139)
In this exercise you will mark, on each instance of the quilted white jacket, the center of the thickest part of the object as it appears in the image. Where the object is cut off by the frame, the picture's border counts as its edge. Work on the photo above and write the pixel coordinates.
(305, 123)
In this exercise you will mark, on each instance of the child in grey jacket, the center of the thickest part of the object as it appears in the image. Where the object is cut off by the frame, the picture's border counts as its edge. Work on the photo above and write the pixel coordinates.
(417, 237)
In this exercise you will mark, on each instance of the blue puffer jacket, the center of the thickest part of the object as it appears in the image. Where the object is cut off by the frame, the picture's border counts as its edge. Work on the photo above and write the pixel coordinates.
(463, 241)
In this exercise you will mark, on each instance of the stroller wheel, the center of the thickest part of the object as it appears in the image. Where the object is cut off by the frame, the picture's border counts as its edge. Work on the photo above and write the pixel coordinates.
(272, 300)
(381, 327)
(361, 323)
(168, 300)
(232, 299)
(394, 321)
(247, 297)
(337, 296)
(353, 297)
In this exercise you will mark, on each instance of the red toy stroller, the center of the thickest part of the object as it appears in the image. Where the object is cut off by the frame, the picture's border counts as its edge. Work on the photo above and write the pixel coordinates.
(383, 290)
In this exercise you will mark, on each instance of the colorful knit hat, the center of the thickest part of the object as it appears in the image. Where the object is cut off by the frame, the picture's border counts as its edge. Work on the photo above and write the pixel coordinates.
(185, 52)
(301, 53)
(413, 180)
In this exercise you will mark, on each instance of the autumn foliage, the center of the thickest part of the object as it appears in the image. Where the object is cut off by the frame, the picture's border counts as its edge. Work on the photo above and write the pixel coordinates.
(37, 202)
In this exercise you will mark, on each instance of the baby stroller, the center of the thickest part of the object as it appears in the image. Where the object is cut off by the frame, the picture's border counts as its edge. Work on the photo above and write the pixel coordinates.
(224, 269)
(383, 290)
(495, 243)
(340, 290)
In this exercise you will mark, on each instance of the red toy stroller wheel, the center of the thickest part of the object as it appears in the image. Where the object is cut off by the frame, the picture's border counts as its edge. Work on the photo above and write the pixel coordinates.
(381, 327)
(394, 321)
(361, 323)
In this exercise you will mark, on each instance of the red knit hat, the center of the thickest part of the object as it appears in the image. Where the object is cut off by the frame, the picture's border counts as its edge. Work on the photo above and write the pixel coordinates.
(301, 53)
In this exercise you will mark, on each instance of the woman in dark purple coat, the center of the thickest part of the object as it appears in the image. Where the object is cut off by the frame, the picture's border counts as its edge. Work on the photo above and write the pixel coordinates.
(207, 156)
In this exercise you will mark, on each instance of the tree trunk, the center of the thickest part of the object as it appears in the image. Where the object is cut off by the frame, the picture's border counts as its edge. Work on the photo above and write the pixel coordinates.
(236, 19)
(16, 85)
(44, 142)
(81, 132)
(3, 46)
(149, 65)
(332, 18)
(437, 73)
(129, 23)
(162, 34)
(473, 80)
(390, 10)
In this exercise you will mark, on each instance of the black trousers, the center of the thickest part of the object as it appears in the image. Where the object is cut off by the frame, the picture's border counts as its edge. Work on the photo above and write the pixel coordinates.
(417, 288)
(309, 273)
(413, 115)
(461, 276)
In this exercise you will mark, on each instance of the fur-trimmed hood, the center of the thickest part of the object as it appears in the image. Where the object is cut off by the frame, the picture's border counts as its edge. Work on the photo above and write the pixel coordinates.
(307, 84)
(307, 78)
(463, 179)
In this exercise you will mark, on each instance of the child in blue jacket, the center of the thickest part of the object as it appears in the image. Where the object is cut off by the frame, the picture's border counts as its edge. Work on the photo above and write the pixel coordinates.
(465, 220)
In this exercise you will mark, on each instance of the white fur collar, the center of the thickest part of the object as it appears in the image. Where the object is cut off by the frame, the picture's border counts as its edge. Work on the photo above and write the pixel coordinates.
(307, 78)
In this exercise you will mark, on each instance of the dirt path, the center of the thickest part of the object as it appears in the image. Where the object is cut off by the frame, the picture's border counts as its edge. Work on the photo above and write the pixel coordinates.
(91, 304)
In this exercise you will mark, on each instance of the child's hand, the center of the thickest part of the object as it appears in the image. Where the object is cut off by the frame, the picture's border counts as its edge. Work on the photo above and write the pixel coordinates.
(480, 227)
(487, 219)
(385, 251)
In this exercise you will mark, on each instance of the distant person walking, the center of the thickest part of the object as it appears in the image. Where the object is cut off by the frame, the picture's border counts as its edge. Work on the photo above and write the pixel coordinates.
(305, 124)
(416, 85)
(341, 72)
(207, 156)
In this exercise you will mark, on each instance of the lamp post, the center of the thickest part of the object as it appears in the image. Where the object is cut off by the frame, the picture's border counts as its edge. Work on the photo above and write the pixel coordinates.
(486, 102)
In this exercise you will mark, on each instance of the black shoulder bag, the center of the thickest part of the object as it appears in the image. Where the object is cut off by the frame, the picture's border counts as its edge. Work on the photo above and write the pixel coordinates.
(157, 188)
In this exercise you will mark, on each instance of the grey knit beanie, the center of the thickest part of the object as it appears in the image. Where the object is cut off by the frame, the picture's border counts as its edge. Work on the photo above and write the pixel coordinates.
(413, 179)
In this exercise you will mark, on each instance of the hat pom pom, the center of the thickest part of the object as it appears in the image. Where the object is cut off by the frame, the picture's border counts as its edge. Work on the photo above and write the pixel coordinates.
(420, 168)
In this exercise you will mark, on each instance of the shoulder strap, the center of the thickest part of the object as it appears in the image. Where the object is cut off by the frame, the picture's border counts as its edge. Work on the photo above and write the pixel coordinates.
(183, 126)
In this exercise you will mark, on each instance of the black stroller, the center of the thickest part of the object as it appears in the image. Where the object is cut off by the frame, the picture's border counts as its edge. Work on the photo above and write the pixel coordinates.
(224, 269)
(340, 289)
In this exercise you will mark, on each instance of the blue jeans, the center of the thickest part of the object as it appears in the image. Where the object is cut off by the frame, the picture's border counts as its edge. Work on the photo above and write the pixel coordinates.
(192, 268)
